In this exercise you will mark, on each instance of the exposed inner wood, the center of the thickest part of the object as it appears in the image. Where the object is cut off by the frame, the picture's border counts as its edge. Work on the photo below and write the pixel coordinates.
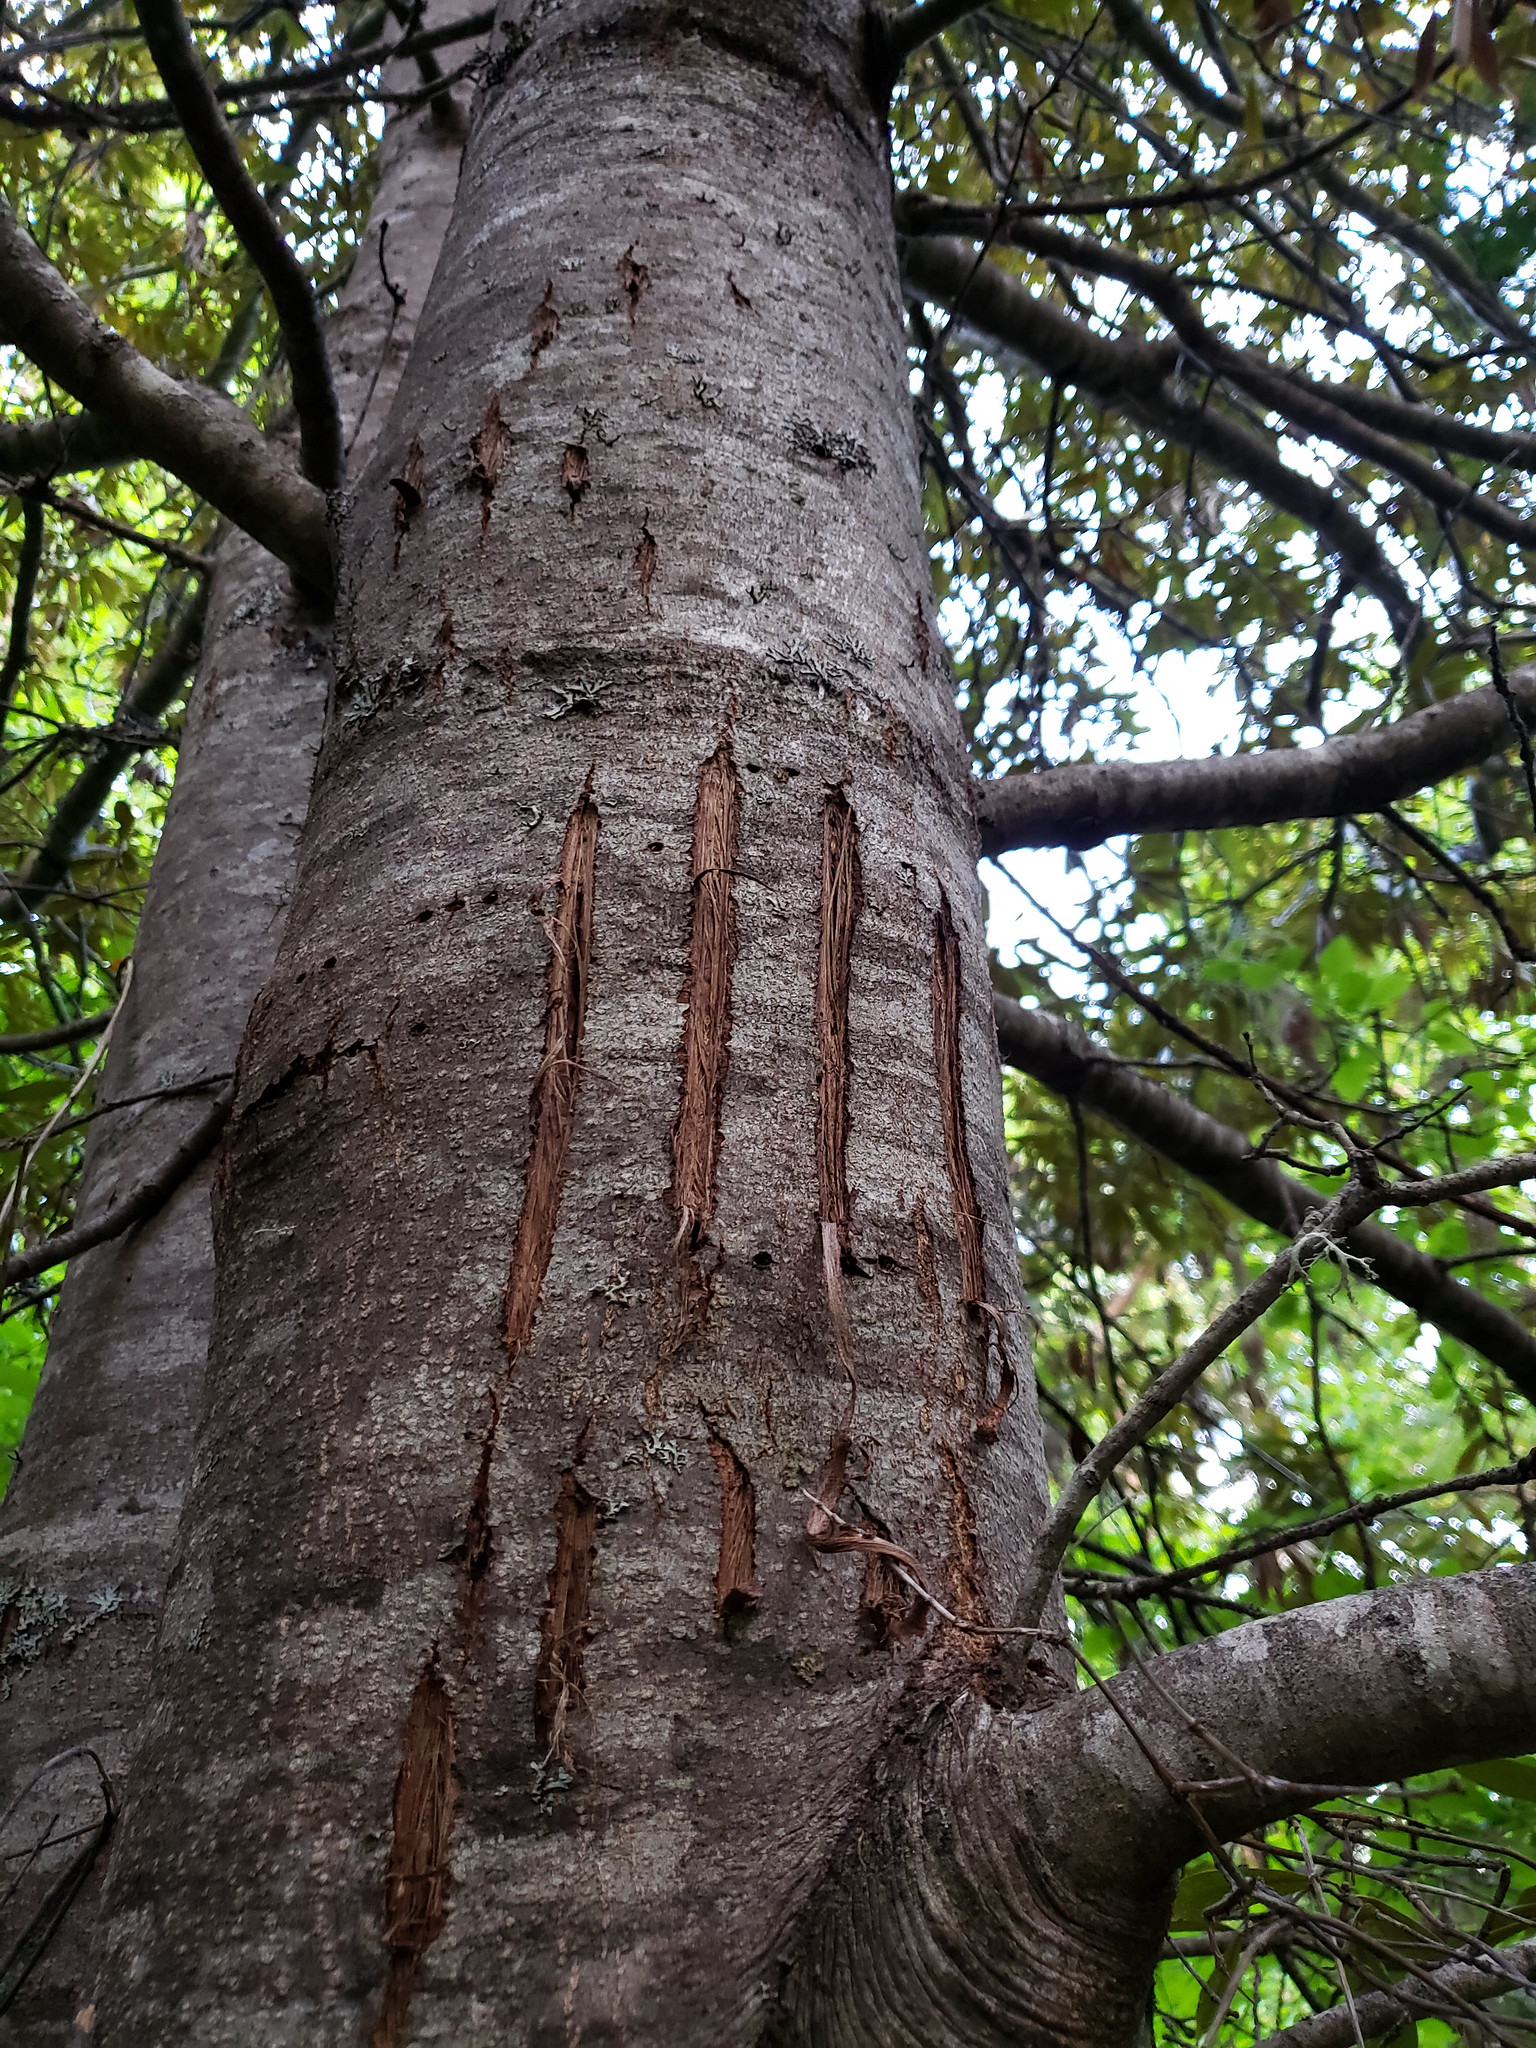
(552, 1104)
(563, 1628)
(944, 993)
(841, 901)
(736, 1583)
(706, 1031)
(416, 1886)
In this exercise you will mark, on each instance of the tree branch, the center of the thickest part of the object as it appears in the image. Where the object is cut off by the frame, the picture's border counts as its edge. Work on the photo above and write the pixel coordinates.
(1357, 1691)
(195, 433)
(28, 559)
(142, 704)
(896, 37)
(87, 515)
(1321, 1236)
(55, 1034)
(149, 117)
(1137, 379)
(133, 1208)
(1125, 1585)
(298, 315)
(71, 441)
(1087, 803)
(1057, 1054)
(1383, 2012)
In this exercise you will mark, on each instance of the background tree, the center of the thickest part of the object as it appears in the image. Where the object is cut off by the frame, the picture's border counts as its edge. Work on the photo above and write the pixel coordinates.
(1171, 399)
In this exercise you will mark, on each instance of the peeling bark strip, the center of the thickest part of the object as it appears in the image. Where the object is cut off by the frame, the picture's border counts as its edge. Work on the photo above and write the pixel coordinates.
(563, 1629)
(416, 1887)
(944, 994)
(707, 991)
(706, 994)
(552, 1105)
(965, 1550)
(473, 1555)
(736, 1582)
(842, 896)
(487, 451)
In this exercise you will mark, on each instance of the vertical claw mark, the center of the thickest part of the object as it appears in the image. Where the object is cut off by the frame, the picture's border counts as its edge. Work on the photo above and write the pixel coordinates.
(563, 1628)
(736, 1584)
(841, 901)
(473, 1555)
(944, 994)
(635, 279)
(487, 451)
(706, 996)
(552, 1104)
(545, 327)
(416, 1885)
(965, 1568)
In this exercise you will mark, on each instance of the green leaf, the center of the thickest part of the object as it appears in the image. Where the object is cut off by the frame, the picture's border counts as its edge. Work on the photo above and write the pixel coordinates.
(1199, 1891)
(1509, 1777)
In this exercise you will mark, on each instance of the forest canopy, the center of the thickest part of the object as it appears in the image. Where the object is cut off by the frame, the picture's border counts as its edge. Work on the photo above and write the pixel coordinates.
(1223, 370)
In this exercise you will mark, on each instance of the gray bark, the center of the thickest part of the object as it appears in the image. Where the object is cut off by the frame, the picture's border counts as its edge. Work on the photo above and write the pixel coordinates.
(744, 561)
(87, 1531)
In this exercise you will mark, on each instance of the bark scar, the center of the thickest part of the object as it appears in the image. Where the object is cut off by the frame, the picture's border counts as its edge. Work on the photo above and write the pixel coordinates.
(635, 279)
(736, 1583)
(842, 897)
(488, 450)
(416, 1884)
(552, 1104)
(563, 1628)
(944, 990)
(706, 996)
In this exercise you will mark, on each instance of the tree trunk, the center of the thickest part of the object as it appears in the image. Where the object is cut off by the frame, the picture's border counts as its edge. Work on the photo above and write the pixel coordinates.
(90, 1521)
(617, 1300)
(636, 907)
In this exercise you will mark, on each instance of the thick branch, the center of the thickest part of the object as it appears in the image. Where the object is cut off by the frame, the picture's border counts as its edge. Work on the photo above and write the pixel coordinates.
(1063, 1059)
(195, 433)
(1137, 379)
(1383, 2012)
(146, 698)
(55, 447)
(897, 36)
(1085, 804)
(1358, 1691)
(298, 315)
(133, 1208)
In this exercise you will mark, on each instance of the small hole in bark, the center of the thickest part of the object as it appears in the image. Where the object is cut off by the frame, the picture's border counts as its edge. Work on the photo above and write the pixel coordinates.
(762, 1260)
(423, 916)
(420, 1028)
(331, 961)
(489, 896)
(656, 846)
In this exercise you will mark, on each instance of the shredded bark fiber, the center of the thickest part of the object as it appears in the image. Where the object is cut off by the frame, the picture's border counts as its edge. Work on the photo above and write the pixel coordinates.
(944, 995)
(736, 1582)
(416, 1885)
(563, 1629)
(552, 1104)
(706, 995)
(944, 989)
(842, 898)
